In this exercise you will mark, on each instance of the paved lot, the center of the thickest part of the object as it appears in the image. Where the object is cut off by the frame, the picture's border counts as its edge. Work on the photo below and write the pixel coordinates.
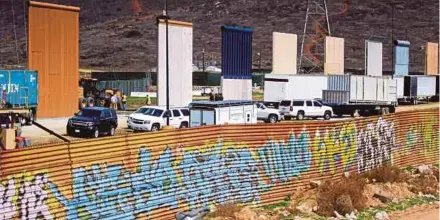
(58, 125)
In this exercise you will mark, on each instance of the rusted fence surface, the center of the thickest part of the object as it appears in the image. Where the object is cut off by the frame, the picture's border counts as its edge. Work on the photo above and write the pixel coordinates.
(155, 175)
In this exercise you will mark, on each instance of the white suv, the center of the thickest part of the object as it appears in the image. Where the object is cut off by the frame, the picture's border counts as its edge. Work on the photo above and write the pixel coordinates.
(304, 108)
(153, 118)
(269, 115)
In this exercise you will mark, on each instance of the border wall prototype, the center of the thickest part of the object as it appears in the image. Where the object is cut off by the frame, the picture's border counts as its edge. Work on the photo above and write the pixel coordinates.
(155, 175)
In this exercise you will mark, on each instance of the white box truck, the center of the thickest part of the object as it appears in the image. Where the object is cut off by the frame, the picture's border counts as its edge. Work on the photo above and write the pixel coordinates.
(204, 113)
(279, 87)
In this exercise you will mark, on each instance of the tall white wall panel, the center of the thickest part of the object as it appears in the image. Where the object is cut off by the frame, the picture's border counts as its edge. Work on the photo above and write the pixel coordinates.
(284, 53)
(373, 58)
(180, 40)
(237, 89)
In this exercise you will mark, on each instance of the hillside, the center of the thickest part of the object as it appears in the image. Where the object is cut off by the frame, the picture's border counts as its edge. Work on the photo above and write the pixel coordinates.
(120, 35)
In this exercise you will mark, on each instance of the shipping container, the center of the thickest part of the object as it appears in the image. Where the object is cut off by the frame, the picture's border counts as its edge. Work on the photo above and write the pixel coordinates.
(125, 86)
(53, 51)
(360, 89)
(281, 87)
(20, 88)
(420, 86)
(236, 52)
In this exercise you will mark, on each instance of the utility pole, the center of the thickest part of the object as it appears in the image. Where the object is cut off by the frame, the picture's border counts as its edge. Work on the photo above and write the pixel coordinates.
(203, 59)
(167, 64)
(259, 61)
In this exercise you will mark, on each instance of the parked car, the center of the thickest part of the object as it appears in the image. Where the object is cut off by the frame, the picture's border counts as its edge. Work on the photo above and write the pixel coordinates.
(93, 121)
(304, 108)
(153, 118)
(269, 115)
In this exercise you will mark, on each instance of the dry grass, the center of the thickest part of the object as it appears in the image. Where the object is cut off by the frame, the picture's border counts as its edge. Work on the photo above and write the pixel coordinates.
(226, 210)
(386, 174)
(342, 195)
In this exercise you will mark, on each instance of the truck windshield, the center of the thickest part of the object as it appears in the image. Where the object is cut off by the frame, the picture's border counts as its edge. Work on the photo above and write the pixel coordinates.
(89, 113)
(285, 103)
(142, 110)
(153, 112)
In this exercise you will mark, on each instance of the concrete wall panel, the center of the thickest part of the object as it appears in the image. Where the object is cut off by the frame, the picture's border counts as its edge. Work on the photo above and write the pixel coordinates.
(334, 55)
(284, 53)
(373, 58)
(237, 89)
(180, 37)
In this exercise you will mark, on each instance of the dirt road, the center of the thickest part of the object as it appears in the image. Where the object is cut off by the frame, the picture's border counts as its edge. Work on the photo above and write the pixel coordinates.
(423, 212)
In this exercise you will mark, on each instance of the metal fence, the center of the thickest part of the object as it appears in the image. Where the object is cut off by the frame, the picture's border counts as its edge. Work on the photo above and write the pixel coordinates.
(158, 174)
(126, 86)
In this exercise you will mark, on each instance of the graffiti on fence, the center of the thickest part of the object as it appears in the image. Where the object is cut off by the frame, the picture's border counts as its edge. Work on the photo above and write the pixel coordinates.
(375, 144)
(215, 173)
(335, 147)
(31, 193)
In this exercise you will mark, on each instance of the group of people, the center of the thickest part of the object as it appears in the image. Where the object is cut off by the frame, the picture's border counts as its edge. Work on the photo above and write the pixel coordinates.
(215, 97)
(114, 102)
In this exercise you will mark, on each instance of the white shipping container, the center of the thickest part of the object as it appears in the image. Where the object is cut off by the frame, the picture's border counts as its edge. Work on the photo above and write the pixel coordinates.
(426, 85)
(287, 87)
(222, 112)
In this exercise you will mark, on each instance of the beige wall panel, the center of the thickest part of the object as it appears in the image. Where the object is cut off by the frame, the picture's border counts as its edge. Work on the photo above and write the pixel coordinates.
(431, 58)
(334, 55)
(284, 53)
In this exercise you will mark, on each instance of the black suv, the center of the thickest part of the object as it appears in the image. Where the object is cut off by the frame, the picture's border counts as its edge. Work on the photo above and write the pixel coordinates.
(93, 121)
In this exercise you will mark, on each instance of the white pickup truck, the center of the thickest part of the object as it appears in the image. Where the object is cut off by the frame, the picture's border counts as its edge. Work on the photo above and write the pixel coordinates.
(153, 118)
(269, 115)
(304, 108)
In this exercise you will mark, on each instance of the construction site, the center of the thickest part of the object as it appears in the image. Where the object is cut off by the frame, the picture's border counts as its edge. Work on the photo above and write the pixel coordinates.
(224, 110)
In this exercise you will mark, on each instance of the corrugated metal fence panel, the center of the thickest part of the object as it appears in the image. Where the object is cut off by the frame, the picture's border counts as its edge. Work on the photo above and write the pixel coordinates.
(431, 57)
(334, 55)
(126, 86)
(373, 58)
(339, 82)
(401, 49)
(236, 52)
(155, 175)
(284, 53)
(54, 53)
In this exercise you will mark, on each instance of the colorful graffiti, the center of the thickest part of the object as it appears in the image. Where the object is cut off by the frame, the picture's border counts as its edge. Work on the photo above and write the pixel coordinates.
(215, 173)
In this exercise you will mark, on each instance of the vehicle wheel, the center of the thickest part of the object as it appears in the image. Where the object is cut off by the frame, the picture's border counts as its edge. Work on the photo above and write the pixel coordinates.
(300, 115)
(184, 125)
(90, 102)
(95, 133)
(112, 131)
(327, 115)
(155, 128)
(273, 119)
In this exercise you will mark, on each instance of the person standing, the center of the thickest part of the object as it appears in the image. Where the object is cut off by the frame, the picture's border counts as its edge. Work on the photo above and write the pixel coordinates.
(148, 101)
(124, 101)
(114, 102)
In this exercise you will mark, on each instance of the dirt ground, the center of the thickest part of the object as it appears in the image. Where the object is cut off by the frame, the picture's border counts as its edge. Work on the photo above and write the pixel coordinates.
(405, 108)
(423, 212)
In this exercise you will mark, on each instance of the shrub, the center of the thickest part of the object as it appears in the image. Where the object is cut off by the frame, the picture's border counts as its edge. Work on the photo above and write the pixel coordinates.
(342, 195)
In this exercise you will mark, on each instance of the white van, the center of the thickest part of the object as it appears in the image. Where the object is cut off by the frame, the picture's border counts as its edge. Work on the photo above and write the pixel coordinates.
(222, 112)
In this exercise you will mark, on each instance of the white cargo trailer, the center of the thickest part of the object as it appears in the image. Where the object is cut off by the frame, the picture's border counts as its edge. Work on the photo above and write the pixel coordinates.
(222, 112)
(279, 87)
(417, 87)
(350, 94)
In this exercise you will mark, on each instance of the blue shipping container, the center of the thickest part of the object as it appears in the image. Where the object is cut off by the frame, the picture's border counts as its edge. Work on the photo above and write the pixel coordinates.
(236, 52)
(401, 66)
(20, 87)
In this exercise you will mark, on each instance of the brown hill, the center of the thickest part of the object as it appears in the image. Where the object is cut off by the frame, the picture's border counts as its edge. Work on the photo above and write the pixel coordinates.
(121, 34)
